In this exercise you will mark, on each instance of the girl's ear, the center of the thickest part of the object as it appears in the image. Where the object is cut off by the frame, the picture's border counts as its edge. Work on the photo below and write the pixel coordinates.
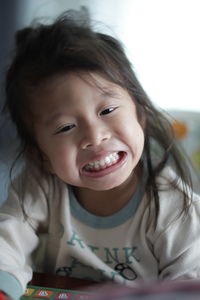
(40, 158)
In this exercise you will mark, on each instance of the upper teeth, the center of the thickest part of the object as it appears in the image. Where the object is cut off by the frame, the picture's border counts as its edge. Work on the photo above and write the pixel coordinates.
(104, 162)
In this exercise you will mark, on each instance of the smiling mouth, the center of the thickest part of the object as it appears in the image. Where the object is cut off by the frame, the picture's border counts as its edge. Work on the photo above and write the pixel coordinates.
(103, 163)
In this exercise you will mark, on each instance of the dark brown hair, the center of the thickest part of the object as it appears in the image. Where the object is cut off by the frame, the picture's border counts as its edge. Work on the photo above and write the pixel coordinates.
(69, 45)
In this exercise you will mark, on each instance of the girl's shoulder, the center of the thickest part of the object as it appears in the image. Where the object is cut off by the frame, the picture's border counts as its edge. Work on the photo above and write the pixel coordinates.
(171, 185)
(33, 180)
(176, 200)
(33, 192)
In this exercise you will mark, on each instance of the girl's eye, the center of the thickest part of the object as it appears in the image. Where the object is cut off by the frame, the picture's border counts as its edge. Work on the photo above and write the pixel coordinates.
(107, 110)
(65, 128)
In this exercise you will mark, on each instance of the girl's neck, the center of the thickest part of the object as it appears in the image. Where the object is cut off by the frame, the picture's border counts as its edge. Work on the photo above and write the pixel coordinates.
(106, 203)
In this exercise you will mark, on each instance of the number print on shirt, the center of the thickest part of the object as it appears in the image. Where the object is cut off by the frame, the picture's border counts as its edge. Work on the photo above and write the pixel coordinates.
(126, 271)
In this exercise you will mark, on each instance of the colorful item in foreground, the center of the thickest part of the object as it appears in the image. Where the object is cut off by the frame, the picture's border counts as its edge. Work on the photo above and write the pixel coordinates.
(3, 296)
(36, 292)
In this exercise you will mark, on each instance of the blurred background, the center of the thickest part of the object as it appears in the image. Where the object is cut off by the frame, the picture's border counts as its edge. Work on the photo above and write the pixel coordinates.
(161, 38)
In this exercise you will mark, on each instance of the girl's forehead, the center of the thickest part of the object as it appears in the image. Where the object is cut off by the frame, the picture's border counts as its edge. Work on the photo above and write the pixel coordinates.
(73, 80)
(70, 88)
(72, 84)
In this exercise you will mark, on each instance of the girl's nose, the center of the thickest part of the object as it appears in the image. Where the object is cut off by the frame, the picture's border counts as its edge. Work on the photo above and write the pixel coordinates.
(94, 135)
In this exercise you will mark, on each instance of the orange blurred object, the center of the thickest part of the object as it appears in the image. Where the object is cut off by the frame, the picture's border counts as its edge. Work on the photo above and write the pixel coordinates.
(180, 129)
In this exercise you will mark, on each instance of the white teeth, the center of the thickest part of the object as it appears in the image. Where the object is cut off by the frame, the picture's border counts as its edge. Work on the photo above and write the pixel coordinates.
(104, 162)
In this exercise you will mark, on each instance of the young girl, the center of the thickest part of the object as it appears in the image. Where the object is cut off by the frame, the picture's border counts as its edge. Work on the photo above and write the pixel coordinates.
(97, 198)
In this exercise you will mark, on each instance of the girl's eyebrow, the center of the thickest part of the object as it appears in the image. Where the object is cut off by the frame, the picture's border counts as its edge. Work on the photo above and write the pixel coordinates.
(106, 92)
(52, 118)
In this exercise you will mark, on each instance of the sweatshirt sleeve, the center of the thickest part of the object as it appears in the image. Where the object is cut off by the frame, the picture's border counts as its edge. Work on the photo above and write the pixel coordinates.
(10, 285)
(20, 219)
(176, 240)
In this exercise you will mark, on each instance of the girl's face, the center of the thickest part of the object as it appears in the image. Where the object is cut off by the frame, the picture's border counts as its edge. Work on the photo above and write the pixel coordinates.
(88, 130)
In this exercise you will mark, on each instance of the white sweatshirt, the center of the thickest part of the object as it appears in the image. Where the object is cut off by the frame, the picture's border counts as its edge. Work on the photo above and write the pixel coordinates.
(44, 228)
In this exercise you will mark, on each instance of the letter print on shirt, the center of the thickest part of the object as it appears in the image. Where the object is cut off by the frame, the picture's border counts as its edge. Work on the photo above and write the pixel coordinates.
(119, 261)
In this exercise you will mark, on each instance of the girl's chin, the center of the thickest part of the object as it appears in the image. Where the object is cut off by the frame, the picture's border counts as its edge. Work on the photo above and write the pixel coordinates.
(108, 183)
(102, 188)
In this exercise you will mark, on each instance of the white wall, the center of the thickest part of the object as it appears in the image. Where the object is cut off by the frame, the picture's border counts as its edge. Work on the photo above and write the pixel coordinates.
(161, 38)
